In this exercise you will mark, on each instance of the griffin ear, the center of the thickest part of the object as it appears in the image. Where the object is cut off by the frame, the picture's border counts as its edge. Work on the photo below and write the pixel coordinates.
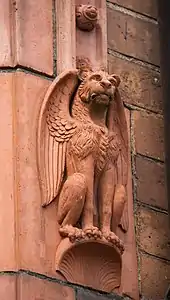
(82, 74)
(117, 79)
(84, 68)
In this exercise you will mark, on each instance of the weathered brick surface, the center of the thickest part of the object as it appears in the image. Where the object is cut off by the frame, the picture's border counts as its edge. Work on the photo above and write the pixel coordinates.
(133, 36)
(34, 36)
(153, 232)
(148, 7)
(31, 288)
(87, 295)
(38, 230)
(149, 134)
(7, 287)
(7, 174)
(26, 34)
(5, 34)
(155, 277)
(140, 85)
(151, 182)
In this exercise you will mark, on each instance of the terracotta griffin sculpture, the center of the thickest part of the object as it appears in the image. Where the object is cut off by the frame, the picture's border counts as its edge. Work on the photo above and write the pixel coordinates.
(82, 154)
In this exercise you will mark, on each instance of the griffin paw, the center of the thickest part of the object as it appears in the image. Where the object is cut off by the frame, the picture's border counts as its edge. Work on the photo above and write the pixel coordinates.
(92, 232)
(111, 237)
(73, 233)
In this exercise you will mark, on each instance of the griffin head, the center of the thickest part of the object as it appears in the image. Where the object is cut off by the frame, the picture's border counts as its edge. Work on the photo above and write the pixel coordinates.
(97, 87)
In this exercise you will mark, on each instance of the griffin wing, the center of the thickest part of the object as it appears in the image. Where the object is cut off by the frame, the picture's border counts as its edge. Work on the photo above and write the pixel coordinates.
(118, 126)
(55, 128)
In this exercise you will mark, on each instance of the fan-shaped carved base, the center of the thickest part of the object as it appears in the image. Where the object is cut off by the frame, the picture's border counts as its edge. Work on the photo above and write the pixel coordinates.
(93, 263)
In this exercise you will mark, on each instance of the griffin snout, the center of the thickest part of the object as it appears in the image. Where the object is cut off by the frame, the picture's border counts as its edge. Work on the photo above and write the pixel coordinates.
(106, 84)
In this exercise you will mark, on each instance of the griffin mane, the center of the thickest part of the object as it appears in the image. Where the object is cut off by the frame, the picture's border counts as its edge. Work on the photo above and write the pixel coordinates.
(79, 108)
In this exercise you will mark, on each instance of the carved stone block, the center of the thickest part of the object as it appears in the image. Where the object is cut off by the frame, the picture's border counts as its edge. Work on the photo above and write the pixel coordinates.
(83, 163)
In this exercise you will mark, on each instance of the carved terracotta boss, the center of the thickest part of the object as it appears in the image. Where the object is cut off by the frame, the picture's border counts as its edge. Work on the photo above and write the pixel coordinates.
(82, 154)
(86, 17)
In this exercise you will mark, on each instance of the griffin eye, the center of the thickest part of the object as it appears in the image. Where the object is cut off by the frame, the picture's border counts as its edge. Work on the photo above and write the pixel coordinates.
(96, 77)
(112, 80)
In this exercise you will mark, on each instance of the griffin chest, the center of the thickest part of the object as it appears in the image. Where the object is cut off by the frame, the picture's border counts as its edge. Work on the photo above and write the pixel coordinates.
(92, 140)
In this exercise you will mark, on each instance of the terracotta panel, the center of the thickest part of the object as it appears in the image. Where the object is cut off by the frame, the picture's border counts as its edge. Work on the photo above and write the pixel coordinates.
(8, 287)
(148, 7)
(34, 36)
(7, 174)
(34, 288)
(149, 134)
(38, 232)
(155, 277)
(133, 36)
(151, 188)
(153, 232)
(140, 85)
(6, 19)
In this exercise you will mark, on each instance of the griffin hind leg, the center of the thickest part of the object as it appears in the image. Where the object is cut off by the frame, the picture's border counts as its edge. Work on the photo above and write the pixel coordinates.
(106, 198)
(70, 206)
(118, 205)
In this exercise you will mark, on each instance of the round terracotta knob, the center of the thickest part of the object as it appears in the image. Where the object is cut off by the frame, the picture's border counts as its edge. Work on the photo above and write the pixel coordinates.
(86, 17)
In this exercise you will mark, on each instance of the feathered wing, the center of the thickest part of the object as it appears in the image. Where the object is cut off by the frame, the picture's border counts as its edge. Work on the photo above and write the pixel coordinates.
(117, 125)
(55, 128)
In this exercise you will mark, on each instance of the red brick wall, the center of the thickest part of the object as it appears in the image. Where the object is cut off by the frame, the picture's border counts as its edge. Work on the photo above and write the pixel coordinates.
(27, 67)
(133, 46)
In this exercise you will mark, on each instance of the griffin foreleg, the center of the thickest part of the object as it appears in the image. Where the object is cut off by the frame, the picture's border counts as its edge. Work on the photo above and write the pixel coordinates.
(105, 195)
(71, 200)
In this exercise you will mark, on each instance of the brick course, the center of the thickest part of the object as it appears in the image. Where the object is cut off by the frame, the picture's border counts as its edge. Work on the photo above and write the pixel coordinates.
(133, 36)
(152, 232)
(148, 134)
(140, 85)
(150, 181)
(148, 7)
(155, 277)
